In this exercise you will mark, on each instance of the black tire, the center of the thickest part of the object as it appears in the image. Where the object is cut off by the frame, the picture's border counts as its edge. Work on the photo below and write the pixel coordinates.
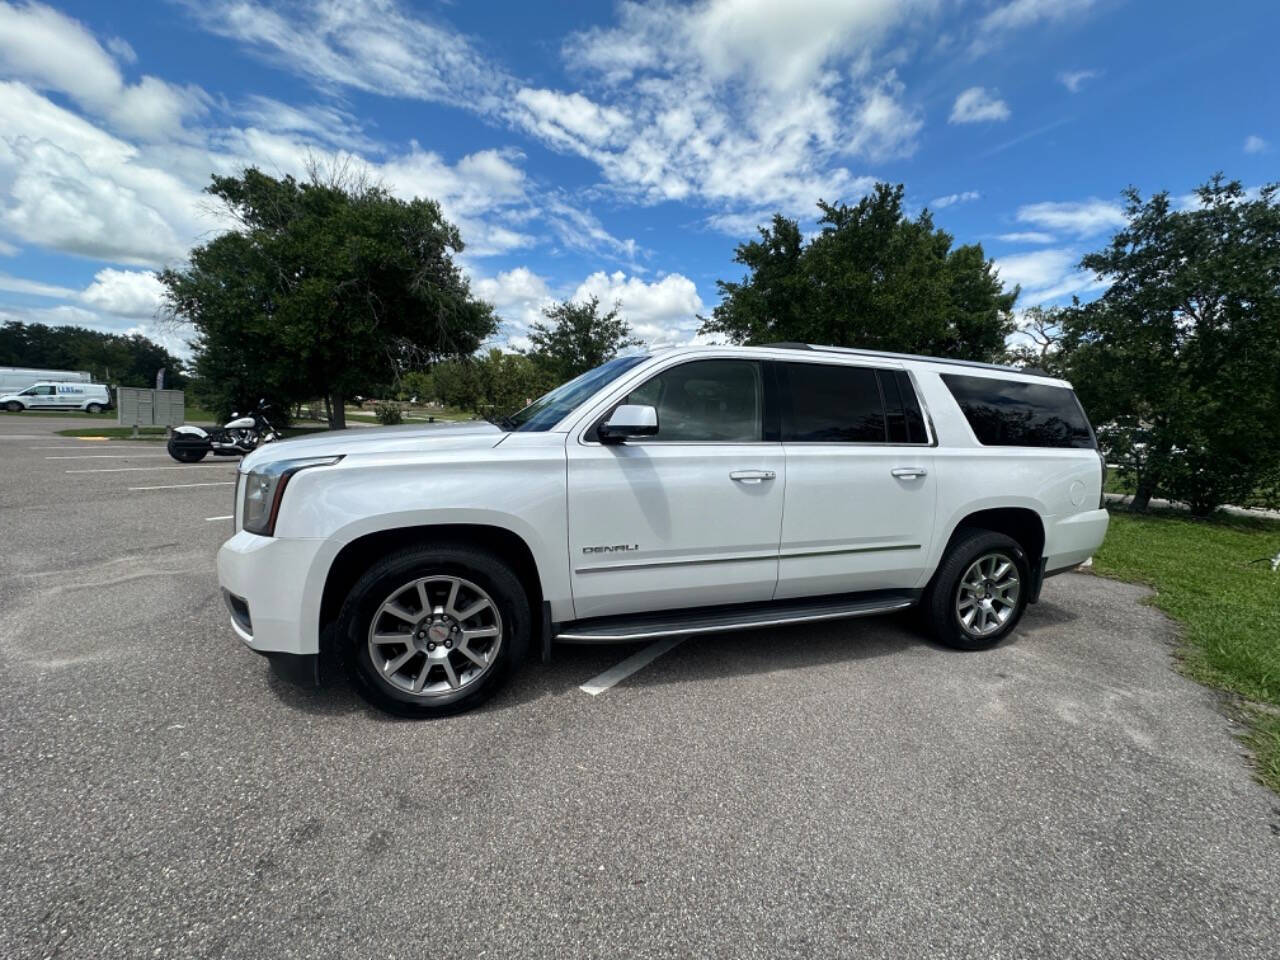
(939, 604)
(186, 456)
(393, 573)
(93, 408)
(13, 406)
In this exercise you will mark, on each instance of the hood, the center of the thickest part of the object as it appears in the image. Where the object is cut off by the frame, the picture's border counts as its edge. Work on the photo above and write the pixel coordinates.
(442, 436)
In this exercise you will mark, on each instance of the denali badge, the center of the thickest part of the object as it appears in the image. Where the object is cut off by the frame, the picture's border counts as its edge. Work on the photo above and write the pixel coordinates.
(616, 548)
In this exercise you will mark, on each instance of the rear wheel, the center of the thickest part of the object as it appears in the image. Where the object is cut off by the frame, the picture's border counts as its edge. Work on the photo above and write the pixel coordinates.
(13, 406)
(434, 630)
(979, 592)
(185, 455)
(93, 408)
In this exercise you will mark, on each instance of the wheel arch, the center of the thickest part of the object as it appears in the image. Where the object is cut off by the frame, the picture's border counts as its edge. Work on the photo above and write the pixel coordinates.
(356, 556)
(1021, 524)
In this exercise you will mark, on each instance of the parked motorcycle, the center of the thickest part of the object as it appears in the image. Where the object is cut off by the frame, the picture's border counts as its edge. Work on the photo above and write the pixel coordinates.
(238, 436)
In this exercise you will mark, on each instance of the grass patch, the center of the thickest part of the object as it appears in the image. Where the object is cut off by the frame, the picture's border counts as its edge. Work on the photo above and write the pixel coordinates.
(1229, 607)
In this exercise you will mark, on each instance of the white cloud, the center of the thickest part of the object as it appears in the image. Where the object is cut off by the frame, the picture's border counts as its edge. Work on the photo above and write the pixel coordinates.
(661, 313)
(1027, 236)
(519, 296)
(7, 249)
(1046, 275)
(51, 51)
(1254, 144)
(566, 119)
(1019, 14)
(33, 288)
(941, 203)
(1082, 219)
(126, 293)
(978, 105)
(883, 126)
(1074, 80)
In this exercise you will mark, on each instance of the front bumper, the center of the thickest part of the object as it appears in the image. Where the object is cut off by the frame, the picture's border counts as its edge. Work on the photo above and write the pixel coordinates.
(271, 607)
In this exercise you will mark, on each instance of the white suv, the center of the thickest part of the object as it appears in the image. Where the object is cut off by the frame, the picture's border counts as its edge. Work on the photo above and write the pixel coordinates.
(691, 490)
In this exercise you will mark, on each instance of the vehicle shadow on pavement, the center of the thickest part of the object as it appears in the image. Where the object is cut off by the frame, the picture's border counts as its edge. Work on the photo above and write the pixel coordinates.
(710, 657)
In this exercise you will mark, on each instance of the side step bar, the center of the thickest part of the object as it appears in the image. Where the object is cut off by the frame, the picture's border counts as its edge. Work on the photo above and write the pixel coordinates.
(675, 623)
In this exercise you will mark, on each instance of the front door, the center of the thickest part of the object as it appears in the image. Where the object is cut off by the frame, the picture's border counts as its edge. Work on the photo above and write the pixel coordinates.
(690, 517)
(860, 481)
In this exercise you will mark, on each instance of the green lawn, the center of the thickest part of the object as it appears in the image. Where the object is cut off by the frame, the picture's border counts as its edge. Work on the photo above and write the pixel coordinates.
(1229, 608)
(412, 415)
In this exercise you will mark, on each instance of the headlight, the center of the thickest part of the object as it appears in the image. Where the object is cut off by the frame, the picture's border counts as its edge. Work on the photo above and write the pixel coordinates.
(264, 488)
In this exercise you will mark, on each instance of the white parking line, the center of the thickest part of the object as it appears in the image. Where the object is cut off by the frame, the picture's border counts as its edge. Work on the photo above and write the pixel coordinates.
(616, 674)
(176, 486)
(227, 517)
(109, 456)
(189, 466)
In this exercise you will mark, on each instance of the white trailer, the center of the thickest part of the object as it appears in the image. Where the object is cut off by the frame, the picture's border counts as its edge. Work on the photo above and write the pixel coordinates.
(17, 379)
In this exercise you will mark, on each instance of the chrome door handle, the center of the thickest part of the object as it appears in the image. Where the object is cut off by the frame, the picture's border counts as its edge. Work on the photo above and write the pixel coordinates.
(909, 473)
(752, 476)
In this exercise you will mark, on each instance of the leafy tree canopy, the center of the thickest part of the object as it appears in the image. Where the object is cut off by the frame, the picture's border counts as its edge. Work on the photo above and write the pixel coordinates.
(127, 360)
(1183, 350)
(577, 337)
(323, 288)
(871, 278)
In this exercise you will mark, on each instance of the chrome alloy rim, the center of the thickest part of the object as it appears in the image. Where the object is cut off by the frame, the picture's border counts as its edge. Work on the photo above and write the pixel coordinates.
(434, 636)
(988, 594)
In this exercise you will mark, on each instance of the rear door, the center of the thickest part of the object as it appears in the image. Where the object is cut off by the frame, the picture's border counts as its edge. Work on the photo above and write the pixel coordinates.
(687, 518)
(860, 495)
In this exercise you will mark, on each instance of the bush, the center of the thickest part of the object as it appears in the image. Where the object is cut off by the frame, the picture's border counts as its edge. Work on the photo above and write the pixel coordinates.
(388, 413)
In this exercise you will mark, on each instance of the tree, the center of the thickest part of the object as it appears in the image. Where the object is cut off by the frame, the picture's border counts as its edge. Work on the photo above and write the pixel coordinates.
(871, 278)
(1041, 328)
(127, 360)
(493, 384)
(1182, 353)
(577, 338)
(326, 287)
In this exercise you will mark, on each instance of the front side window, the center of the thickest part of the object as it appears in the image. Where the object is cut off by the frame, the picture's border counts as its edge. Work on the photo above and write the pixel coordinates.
(831, 403)
(1012, 413)
(706, 401)
(38, 392)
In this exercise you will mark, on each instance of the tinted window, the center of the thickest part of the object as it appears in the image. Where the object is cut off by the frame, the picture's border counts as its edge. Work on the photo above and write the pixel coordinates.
(828, 403)
(707, 400)
(1007, 413)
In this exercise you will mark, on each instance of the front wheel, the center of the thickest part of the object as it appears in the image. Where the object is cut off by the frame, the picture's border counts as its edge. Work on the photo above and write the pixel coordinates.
(185, 455)
(434, 630)
(13, 406)
(979, 592)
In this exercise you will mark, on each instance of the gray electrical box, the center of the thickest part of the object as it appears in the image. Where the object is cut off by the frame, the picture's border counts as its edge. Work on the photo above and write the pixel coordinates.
(137, 407)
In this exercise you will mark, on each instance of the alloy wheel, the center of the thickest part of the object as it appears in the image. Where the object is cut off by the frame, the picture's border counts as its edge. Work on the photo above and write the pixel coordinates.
(987, 595)
(435, 636)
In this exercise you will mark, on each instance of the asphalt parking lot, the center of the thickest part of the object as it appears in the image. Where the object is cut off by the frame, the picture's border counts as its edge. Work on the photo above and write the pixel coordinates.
(842, 790)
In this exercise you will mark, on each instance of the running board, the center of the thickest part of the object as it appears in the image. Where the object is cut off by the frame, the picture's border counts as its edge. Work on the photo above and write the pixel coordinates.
(675, 623)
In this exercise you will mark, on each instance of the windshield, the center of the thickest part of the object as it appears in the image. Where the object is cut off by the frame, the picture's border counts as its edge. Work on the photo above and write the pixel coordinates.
(549, 409)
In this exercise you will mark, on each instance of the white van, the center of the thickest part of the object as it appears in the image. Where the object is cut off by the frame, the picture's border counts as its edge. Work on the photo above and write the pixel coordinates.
(89, 397)
(17, 379)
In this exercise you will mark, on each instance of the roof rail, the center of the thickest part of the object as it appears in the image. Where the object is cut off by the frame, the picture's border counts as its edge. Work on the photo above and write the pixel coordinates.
(858, 351)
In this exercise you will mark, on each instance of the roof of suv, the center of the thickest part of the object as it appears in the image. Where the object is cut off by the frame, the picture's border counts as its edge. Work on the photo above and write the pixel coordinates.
(881, 354)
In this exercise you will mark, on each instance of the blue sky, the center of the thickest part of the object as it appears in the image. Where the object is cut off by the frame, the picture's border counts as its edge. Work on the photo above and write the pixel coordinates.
(621, 150)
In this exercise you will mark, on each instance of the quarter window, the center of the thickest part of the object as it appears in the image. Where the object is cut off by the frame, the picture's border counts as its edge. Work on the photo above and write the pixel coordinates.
(709, 401)
(831, 403)
(1011, 413)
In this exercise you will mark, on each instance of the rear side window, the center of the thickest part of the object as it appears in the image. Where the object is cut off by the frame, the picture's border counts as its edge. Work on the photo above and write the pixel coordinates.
(831, 403)
(901, 408)
(1009, 413)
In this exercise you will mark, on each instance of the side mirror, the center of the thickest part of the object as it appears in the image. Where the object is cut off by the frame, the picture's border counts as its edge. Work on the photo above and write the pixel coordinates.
(629, 420)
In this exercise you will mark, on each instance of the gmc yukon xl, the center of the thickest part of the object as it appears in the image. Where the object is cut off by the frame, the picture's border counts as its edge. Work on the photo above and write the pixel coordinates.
(691, 490)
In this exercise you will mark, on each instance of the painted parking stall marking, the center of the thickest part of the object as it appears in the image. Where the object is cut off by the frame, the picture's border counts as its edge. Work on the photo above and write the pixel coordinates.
(190, 466)
(179, 486)
(637, 661)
